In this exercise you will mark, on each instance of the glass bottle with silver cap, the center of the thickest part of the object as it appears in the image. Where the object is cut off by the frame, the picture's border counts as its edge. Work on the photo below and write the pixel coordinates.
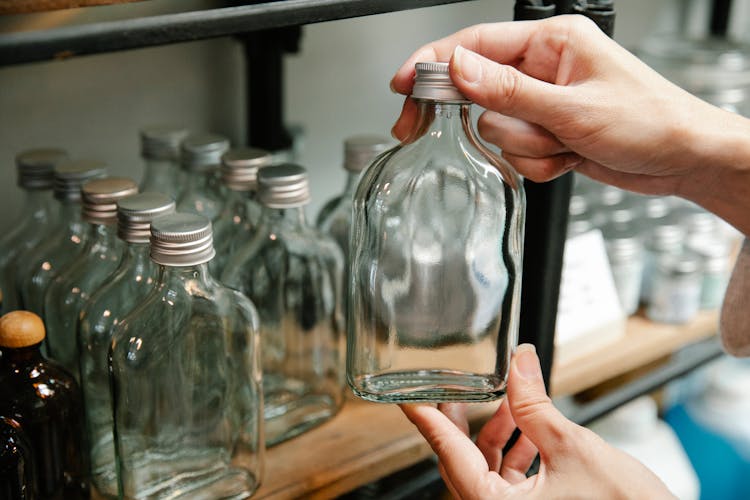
(236, 224)
(625, 254)
(293, 275)
(134, 278)
(437, 238)
(664, 239)
(73, 286)
(201, 157)
(45, 261)
(186, 379)
(676, 292)
(335, 218)
(160, 150)
(35, 176)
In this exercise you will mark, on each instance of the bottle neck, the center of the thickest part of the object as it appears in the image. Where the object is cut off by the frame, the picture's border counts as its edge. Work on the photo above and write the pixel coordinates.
(20, 356)
(70, 215)
(136, 256)
(197, 274)
(197, 180)
(103, 234)
(441, 120)
(352, 179)
(39, 205)
(294, 218)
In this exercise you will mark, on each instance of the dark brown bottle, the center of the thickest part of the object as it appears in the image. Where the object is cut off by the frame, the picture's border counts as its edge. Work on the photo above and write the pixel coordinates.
(46, 401)
(17, 480)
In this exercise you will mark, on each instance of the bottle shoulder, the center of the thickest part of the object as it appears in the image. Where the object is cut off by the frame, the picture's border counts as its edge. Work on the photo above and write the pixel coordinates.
(36, 385)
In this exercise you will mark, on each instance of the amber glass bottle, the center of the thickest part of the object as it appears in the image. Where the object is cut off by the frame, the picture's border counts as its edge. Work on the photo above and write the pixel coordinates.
(17, 480)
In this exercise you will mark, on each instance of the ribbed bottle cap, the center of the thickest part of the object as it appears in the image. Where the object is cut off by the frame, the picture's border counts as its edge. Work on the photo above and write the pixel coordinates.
(100, 198)
(162, 142)
(433, 82)
(239, 167)
(20, 329)
(181, 240)
(36, 167)
(360, 150)
(202, 152)
(283, 186)
(71, 175)
(135, 213)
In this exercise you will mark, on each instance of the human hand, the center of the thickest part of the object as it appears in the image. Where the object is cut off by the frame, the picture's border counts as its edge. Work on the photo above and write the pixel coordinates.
(574, 462)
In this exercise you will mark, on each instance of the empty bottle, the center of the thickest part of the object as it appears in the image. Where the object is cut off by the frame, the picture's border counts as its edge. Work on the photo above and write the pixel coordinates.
(160, 150)
(46, 401)
(186, 380)
(45, 261)
(292, 273)
(35, 174)
(98, 259)
(201, 157)
(134, 278)
(17, 477)
(436, 248)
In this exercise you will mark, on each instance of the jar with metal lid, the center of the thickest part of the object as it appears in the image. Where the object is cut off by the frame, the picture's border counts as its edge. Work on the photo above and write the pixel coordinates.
(625, 254)
(666, 238)
(160, 150)
(716, 267)
(676, 292)
(200, 160)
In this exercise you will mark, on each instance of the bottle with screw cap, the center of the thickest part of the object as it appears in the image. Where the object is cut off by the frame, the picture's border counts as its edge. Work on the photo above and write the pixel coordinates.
(35, 173)
(237, 222)
(72, 287)
(200, 160)
(160, 150)
(46, 260)
(17, 477)
(186, 379)
(335, 217)
(46, 401)
(292, 273)
(437, 238)
(134, 278)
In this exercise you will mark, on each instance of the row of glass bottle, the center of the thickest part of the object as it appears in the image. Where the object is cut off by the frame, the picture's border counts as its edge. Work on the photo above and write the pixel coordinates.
(667, 254)
(301, 319)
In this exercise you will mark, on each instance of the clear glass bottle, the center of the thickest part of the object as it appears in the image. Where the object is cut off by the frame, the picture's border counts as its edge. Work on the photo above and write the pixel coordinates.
(72, 287)
(160, 150)
(35, 173)
(676, 292)
(201, 157)
(17, 478)
(236, 224)
(665, 238)
(335, 218)
(293, 275)
(625, 254)
(437, 241)
(186, 379)
(134, 278)
(44, 262)
(46, 401)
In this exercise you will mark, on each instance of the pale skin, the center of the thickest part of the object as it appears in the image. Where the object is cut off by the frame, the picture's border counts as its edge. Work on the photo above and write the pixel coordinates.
(560, 96)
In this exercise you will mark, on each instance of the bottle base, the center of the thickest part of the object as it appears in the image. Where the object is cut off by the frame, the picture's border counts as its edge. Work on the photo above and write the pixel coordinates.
(433, 386)
(283, 422)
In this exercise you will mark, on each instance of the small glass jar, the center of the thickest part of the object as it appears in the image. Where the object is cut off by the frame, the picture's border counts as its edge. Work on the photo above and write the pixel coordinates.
(201, 157)
(716, 266)
(435, 274)
(676, 292)
(160, 150)
(665, 239)
(625, 254)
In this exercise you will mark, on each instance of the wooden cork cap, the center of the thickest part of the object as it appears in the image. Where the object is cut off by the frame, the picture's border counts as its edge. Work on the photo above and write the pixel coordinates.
(20, 329)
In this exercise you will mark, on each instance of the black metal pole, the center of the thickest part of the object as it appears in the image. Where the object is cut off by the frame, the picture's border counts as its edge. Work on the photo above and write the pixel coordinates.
(720, 12)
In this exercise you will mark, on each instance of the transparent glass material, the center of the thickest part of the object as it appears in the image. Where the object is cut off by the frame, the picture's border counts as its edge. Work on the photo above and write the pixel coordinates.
(186, 385)
(37, 222)
(44, 262)
(127, 287)
(292, 274)
(17, 479)
(436, 244)
(335, 218)
(69, 291)
(203, 195)
(234, 227)
(162, 176)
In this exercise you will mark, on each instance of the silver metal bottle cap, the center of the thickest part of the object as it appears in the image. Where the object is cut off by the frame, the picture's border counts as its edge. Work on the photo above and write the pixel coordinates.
(135, 213)
(100, 198)
(201, 153)
(360, 150)
(283, 186)
(239, 167)
(36, 167)
(181, 240)
(433, 83)
(666, 237)
(162, 142)
(70, 176)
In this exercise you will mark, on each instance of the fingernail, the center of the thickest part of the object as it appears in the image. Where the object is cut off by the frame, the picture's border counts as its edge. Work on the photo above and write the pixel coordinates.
(527, 362)
(467, 64)
(393, 88)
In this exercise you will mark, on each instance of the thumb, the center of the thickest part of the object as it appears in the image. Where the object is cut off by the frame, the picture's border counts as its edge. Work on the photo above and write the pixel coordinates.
(503, 88)
(532, 409)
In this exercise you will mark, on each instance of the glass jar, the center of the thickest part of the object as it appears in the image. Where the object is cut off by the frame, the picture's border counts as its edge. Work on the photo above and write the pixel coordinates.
(664, 239)
(46, 401)
(185, 377)
(335, 218)
(716, 269)
(625, 254)
(237, 222)
(293, 275)
(160, 150)
(35, 173)
(676, 289)
(17, 478)
(201, 157)
(98, 259)
(45, 261)
(134, 278)
(437, 238)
